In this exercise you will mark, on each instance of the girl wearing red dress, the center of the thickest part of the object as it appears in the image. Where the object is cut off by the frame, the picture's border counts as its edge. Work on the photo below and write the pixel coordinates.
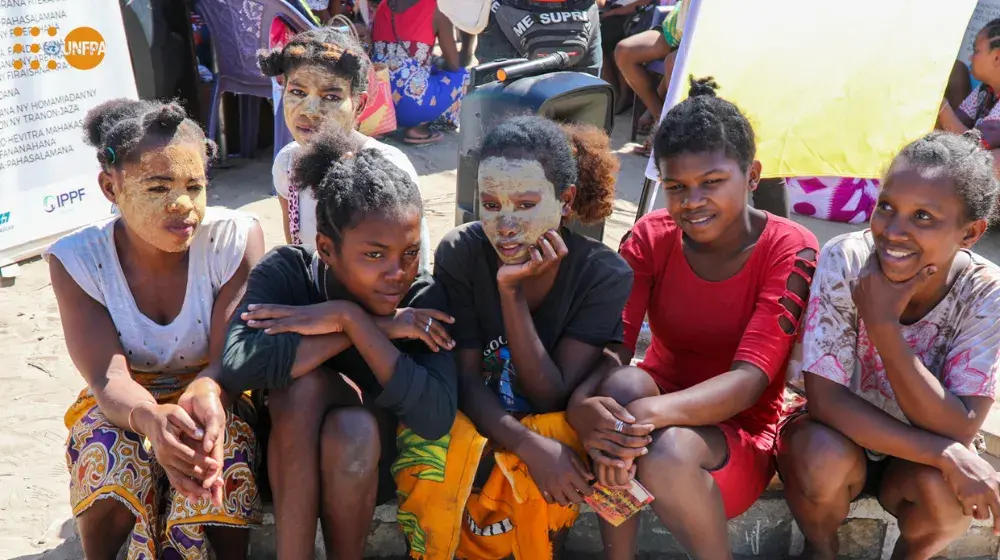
(723, 286)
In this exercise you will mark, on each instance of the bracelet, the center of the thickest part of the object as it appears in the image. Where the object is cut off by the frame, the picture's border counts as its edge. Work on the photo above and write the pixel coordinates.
(130, 412)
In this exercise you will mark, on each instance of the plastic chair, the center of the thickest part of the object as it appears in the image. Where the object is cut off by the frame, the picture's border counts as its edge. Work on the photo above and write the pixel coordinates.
(239, 30)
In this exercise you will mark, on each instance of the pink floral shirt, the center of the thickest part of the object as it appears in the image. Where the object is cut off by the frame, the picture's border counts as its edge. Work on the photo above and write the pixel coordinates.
(958, 340)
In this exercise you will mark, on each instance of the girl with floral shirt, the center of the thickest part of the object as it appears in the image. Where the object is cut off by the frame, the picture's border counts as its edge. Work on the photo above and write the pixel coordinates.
(898, 359)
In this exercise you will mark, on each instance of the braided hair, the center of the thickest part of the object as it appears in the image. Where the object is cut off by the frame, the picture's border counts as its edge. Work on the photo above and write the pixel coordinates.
(350, 186)
(334, 50)
(570, 154)
(705, 123)
(962, 159)
(991, 31)
(119, 128)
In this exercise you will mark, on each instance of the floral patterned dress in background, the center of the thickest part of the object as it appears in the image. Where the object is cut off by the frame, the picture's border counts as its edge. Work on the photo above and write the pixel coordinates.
(404, 42)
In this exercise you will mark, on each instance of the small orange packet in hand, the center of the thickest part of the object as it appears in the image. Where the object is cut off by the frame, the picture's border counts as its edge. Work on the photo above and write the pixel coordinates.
(617, 505)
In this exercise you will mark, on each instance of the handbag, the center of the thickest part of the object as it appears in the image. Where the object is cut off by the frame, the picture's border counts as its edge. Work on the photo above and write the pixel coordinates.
(379, 115)
(359, 31)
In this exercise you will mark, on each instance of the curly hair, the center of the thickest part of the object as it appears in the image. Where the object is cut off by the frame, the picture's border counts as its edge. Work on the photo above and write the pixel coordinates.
(348, 186)
(334, 50)
(119, 128)
(705, 123)
(965, 162)
(571, 154)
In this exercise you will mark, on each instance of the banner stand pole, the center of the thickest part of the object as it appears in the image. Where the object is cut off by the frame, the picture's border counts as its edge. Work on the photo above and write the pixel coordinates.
(650, 189)
(651, 184)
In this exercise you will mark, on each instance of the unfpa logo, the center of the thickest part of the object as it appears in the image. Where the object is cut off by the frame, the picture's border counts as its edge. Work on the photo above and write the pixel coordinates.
(84, 48)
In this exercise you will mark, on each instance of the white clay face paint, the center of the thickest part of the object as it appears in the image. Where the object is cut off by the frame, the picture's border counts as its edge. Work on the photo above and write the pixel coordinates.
(517, 205)
(314, 97)
(163, 196)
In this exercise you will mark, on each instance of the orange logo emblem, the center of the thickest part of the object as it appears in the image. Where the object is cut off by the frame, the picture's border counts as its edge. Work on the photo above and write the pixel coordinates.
(84, 48)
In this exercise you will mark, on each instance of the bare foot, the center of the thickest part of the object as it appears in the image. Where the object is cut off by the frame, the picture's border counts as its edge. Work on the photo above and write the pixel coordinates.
(645, 148)
(646, 123)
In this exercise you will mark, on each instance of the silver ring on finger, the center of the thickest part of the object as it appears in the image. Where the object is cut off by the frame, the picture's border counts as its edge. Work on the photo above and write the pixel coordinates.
(620, 426)
(427, 328)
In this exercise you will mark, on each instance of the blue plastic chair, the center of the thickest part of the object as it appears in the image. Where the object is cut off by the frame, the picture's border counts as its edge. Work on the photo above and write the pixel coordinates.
(239, 30)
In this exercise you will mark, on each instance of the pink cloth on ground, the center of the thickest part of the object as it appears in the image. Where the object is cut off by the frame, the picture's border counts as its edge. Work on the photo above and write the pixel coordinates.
(836, 199)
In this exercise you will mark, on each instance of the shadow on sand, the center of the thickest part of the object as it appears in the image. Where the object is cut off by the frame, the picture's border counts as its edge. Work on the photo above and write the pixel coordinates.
(69, 549)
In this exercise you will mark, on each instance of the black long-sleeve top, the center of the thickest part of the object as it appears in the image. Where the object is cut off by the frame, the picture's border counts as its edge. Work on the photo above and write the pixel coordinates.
(422, 391)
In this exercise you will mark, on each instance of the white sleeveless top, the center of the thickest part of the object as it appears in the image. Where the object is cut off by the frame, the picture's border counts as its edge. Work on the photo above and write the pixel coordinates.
(281, 171)
(90, 257)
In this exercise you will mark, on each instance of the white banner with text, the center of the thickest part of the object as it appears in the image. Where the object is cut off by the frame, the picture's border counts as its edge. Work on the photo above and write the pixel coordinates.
(58, 59)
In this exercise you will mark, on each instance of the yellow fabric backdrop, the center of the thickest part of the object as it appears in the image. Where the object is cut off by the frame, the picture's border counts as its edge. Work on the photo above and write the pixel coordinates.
(832, 88)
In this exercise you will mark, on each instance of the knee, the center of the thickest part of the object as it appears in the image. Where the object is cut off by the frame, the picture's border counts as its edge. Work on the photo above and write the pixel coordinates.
(671, 451)
(627, 384)
(349, 442)
(817, 462)
(107, 516)
(934, 495)
(301, 405)
(623, 53)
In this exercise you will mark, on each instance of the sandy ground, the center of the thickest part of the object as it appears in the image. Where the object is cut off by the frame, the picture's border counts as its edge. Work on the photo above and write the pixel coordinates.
(39, 381)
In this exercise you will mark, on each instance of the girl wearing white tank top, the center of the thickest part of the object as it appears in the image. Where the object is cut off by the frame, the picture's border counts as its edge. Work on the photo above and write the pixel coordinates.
(145, 298)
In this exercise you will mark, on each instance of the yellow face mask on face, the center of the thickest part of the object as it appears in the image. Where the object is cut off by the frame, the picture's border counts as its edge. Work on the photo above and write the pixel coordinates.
(518, 204)
(162, 197)
(315, 97)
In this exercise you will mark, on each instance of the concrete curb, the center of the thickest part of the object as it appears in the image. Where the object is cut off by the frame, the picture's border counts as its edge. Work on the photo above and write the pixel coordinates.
(766, 531)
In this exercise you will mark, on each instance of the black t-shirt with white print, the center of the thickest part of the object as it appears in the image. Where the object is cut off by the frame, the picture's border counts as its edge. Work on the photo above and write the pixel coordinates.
(585, 302)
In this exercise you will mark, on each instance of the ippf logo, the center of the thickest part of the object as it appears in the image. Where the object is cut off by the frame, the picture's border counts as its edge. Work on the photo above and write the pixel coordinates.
(53, 202)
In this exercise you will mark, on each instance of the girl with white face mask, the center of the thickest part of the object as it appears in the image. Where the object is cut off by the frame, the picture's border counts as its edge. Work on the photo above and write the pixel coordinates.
(534, 305)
